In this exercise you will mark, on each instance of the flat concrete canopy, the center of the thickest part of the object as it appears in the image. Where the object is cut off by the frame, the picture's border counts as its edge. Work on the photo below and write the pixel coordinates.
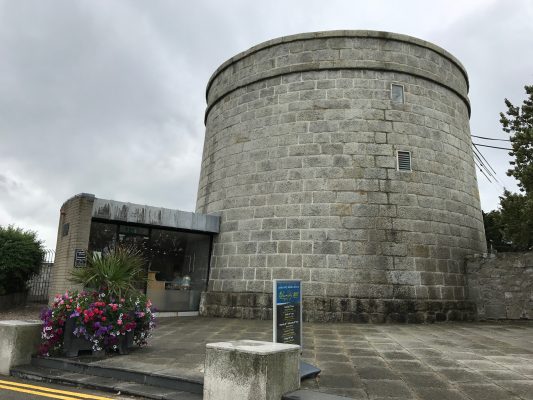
(439, 361)
(158, 216)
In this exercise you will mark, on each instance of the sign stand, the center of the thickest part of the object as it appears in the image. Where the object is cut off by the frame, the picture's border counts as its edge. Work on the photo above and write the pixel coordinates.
(287, 311)
(287, 319)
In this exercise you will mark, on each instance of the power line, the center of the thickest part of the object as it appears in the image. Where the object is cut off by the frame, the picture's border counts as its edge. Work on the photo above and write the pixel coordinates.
(478, 156)
(487, 138)
(480, 170)
(481, 154)
(493, 147)
(484, 167)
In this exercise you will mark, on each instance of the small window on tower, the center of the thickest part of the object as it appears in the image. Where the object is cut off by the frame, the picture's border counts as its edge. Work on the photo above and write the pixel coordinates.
(397, 93)
(404, 161)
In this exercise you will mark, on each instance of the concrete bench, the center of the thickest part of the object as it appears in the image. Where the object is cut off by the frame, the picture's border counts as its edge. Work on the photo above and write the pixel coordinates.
(19, 340)
(250, 369)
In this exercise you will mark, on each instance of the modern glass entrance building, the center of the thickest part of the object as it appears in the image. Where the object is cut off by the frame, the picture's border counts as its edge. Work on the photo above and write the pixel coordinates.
(176, 246)
(176, 261)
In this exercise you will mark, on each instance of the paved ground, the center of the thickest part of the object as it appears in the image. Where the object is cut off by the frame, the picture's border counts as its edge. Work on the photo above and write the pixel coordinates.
(442, 361)
(26, 312)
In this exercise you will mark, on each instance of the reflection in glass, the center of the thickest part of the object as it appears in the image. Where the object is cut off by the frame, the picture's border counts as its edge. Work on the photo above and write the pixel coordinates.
(177, 262)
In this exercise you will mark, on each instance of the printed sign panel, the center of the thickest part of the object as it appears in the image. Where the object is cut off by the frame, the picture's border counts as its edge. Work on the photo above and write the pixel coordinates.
(287, 311)
(80, 258)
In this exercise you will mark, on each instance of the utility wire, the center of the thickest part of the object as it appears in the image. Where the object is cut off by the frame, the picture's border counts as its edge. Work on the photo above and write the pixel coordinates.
(493, 147)
(488, 138)
(477, 153)
(481, 165)
(481, 154)
(480, 170)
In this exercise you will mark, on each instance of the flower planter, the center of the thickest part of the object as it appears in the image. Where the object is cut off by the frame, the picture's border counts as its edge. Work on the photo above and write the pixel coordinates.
(72, 344)
(125, 343)
(91, 322)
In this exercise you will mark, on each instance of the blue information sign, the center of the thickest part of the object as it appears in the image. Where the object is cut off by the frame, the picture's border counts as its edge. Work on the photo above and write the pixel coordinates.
(287, 311)
(288, 292)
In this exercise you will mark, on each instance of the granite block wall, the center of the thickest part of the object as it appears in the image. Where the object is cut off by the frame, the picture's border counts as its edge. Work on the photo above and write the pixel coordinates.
(300, 162)
(501, 285)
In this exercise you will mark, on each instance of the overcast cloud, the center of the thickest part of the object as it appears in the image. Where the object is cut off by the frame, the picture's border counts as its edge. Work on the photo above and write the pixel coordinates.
(107, 97)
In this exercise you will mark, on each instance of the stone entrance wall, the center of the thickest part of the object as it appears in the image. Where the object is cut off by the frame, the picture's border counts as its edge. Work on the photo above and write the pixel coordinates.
(300, 161)
(501, 285)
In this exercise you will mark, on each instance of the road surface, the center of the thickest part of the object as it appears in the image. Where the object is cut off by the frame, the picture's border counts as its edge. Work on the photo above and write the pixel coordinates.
(19, 389)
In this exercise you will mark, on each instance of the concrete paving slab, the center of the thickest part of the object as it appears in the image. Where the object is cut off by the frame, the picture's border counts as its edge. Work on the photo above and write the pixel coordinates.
(386, 388)
(377, 373)
(487, 392)
(523, 388)
(424, 380)
(439, 394)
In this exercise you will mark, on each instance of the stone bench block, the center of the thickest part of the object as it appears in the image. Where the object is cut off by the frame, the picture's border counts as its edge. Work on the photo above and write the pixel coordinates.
(250, 369)
(19, 340)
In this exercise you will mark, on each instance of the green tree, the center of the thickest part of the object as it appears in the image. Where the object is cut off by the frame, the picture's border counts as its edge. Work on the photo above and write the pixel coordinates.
(21, 255)
(518, 122)
(517, 220)
(494, 231)
(516, 210)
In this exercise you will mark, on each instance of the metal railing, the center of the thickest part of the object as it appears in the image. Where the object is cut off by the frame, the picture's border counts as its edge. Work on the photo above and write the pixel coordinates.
(38, 285)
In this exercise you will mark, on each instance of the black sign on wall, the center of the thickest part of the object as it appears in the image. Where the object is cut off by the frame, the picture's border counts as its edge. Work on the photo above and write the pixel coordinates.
(287, 311)
(80, 258)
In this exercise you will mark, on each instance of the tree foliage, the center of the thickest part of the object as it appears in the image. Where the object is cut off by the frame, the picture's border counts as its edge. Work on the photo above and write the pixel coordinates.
(21, 255)
(514, 220)
(517, 215)
(518, 122)
(494, 232)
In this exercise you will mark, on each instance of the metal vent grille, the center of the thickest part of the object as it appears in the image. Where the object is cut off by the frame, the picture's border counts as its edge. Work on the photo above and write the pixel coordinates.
(404, 160)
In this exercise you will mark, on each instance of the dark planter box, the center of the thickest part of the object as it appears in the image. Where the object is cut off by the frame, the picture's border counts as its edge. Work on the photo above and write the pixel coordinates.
(72, 345)
(8, 301)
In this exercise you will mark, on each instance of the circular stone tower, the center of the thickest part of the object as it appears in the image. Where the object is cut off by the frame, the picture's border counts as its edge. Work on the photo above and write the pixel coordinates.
(343, 159)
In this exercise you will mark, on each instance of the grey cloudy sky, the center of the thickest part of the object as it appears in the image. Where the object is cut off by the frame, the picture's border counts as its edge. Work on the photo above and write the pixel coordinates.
(107, 97)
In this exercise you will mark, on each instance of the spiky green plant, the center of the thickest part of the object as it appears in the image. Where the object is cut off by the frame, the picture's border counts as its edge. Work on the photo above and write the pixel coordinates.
(118, 271)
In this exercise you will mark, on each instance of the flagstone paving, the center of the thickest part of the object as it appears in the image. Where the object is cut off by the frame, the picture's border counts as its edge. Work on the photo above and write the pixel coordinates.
(440, 361)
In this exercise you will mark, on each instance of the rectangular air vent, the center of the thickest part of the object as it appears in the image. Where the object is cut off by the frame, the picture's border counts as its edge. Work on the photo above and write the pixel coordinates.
(404, 160)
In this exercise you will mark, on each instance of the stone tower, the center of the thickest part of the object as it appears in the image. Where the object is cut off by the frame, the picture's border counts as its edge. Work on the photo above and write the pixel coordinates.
(343, 159)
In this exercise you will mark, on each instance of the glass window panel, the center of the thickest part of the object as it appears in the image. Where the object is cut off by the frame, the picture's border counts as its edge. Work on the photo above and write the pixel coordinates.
(102, 236)
(397, 93)
(178, 269)
(177, 262)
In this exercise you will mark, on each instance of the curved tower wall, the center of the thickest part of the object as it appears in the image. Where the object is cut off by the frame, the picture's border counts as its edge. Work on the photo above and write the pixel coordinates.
(300, 161)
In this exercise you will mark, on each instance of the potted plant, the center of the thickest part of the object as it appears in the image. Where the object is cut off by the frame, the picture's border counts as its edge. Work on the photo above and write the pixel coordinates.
(110, 315)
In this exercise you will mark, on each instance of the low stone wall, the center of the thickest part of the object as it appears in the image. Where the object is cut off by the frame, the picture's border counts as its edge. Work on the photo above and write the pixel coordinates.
(501, 285)
(8, 301)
